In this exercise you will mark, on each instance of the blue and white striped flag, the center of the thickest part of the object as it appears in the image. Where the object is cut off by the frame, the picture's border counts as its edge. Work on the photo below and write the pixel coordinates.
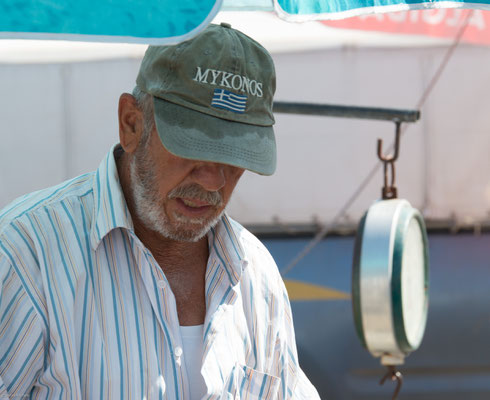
(229, 101)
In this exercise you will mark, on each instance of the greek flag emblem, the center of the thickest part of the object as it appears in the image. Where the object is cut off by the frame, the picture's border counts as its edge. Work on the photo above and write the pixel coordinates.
(230, 101)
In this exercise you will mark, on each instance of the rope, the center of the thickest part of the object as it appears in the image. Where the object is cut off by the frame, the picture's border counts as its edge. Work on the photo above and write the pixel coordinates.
(328, 227)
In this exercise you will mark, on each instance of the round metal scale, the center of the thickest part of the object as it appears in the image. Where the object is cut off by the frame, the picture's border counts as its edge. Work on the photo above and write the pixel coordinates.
(390, 280)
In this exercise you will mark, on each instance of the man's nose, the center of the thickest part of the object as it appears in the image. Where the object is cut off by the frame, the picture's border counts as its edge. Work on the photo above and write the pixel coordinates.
(211, 176)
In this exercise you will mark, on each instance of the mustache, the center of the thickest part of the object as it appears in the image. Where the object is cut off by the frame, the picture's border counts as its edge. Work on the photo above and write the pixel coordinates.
(195, 191)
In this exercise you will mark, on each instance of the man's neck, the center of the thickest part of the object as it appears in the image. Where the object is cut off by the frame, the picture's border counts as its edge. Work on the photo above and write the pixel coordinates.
(171, 253)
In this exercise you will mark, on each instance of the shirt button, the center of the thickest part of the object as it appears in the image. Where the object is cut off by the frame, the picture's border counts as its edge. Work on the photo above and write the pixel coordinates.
(178, 351)
(161, 283)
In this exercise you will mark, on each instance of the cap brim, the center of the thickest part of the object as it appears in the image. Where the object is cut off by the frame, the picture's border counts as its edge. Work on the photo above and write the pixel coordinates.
(191, 134)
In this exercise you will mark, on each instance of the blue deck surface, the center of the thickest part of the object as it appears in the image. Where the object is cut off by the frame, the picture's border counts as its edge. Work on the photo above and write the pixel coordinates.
(453, 362)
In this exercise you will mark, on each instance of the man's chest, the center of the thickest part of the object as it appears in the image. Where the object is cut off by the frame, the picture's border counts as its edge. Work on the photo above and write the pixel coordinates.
(187, 284)
(118, 344)
(115, 329)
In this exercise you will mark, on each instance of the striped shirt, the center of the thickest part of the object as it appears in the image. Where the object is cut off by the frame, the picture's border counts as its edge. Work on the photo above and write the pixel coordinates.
(87, 313)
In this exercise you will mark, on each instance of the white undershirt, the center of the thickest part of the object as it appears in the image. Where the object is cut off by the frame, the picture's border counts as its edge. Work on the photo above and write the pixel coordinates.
(192, 350)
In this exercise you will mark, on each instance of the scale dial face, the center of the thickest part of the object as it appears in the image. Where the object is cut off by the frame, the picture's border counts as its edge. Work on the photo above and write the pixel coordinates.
(390, 279)
(413, 283)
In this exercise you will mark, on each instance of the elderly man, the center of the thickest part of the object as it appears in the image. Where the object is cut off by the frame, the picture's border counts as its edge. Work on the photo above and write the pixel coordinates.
(132, 282)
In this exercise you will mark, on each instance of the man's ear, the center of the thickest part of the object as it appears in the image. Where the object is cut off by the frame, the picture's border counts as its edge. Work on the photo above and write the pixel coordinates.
(130, 123)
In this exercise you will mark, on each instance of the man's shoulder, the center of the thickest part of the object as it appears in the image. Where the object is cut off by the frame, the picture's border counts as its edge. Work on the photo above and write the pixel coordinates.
(260, 261)
(53, 196)
(249, 242)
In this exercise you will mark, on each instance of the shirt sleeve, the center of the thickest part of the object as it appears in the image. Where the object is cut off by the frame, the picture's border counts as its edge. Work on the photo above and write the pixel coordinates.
(21, 336)
(294, 383)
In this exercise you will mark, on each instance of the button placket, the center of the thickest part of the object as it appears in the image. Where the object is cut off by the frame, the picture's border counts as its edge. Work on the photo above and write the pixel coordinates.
(161, 284)
(155, 283)
(178, 355)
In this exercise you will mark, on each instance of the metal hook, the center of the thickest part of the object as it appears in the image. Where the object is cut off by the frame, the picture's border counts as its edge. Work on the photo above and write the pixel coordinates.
(389, 190)
(395, 376)
(394, 157)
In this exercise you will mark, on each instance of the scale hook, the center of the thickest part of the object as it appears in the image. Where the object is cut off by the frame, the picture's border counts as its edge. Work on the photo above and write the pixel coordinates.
(394, 375)
(394, 157)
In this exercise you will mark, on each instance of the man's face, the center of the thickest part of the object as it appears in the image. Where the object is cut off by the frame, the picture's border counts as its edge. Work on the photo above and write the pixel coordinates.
(179, 198)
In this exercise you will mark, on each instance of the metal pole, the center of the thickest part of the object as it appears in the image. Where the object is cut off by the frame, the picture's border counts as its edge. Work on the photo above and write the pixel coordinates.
(327, 110)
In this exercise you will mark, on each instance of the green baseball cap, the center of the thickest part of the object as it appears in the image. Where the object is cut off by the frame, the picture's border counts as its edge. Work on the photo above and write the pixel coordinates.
(213, 98)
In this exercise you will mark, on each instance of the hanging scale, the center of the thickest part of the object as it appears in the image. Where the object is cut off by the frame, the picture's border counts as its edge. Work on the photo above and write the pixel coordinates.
(390, 274)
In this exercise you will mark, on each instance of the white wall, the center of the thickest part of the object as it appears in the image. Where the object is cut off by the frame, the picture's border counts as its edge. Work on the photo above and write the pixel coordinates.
(60, 118)
(444, 168)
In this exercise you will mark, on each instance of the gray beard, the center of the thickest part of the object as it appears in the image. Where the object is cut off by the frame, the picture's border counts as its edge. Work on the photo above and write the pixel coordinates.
(149, 206)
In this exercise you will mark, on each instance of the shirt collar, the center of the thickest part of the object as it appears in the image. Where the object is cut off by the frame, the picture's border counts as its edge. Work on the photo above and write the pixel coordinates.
(110, 208)
(111, 212)
(224, 243)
